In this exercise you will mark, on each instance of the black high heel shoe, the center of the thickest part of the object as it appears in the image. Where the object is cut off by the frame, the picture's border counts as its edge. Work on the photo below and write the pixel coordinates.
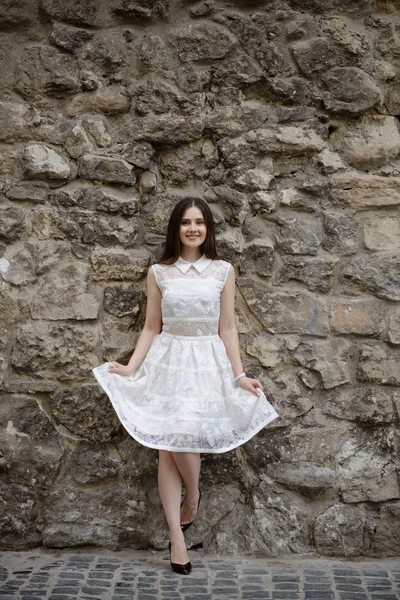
(180, 569)
(186, 526)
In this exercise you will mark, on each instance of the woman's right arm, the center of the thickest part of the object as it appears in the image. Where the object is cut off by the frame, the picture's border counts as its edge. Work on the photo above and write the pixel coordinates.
(152, 327)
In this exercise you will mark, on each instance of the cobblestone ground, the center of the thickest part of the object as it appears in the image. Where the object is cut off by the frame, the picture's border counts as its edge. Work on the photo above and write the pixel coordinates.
(44, 575)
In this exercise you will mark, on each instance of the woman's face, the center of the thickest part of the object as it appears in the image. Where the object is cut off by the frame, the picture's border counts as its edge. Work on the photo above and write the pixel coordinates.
(193, 230)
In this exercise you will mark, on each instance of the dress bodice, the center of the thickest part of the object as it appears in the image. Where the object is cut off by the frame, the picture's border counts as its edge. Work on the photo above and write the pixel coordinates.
(191, 294)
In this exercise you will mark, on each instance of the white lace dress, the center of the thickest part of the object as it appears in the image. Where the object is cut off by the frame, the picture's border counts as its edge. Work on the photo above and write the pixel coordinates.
(183, 396)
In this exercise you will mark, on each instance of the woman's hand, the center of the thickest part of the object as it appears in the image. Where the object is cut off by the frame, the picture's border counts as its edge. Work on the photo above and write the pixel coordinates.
(252, 385)
(119, 369)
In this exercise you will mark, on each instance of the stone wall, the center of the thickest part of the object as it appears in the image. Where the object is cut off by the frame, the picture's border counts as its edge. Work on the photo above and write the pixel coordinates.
(284, 116)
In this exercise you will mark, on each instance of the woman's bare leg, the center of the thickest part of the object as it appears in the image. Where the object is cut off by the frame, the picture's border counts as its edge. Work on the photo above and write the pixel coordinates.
(170, 489)
(188, 464)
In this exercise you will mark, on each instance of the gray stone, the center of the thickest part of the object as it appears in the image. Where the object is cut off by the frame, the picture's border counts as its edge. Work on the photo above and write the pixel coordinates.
(14, 121)
(79, 13)
(107, 200)
(340, 234)
(377, 273)
(203, 41)
(285, 311)
(258, 257)
(68, 37)
(392, 100)
(382, 233)
(369, 477)
(86, 412)
(339, 531)
(328, 357)
(235, 203)
(119, 264)
(301, 234)
(21, 269)
(77, 141)
(12, 223)
(142, 10)
(91, 463)
(237, 69)
(393, 332)
(361, 316)
(268, 349)
(30, 448)
(378, 363)
(292, 90)
(32, 191)
(55, 351)
(121, 301)
(166, 129)
(111, 99)
(42, 162)
(297, 198)
(371, 406)
(20, 13)
(231, 121)
(21, 531)
(352, 91)
(62, 295)
(316, 55)
(360, 190)
(139, 154)
(369, 143)
(384, 530)
(286, 139)
(106, 168)
(263, 203)
(316, 273)
(60, 72)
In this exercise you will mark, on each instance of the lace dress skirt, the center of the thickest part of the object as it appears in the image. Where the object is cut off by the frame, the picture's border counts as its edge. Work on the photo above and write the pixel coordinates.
(183, 396)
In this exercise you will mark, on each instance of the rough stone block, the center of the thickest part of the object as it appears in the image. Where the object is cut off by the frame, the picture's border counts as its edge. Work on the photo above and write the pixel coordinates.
(382, 233)
(384, 530)
(119, 264)
(352, 91)
(111, 99)
(268, 349)
(339, 531)
(55, 351)
(12, 223)
(21, 268)
(285, 311)
(92, 463)
(32, 191)
(21, 531)
(258, 257)
(316, 55)
(301, 234)
(365, 191)
(341, 234)
(14, 121)
(30, 446)
(106, 168)
(369, 405)
(361, 316)
(369, 143)
(393, 332)
(286, 139)
(316, 273)
(378, 363)
(42, 162)
(376, 273)
(62, 295)
(203, 41)
(328, 357)
(68, 37)
(86, 412)
(87, 12)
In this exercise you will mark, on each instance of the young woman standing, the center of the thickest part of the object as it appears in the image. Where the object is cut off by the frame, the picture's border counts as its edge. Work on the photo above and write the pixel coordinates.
(184, 391)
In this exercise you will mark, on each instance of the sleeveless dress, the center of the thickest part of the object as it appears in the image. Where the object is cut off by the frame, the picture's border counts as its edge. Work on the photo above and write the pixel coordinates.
(183, 396)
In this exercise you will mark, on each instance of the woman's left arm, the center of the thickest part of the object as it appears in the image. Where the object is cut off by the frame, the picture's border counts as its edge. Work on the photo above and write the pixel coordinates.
(229, 335)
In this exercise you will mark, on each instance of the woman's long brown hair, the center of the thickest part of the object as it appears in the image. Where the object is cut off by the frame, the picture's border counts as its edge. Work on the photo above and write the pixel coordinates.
(172, 249)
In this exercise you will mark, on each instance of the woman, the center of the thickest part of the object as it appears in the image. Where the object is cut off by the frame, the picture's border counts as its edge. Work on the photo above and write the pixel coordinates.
(184, 390)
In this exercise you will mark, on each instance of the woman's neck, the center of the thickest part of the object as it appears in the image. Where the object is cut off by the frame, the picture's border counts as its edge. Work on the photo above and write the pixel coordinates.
(191, 254)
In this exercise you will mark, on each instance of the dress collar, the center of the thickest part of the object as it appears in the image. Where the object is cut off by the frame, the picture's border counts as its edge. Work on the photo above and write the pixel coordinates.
(199, 265)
